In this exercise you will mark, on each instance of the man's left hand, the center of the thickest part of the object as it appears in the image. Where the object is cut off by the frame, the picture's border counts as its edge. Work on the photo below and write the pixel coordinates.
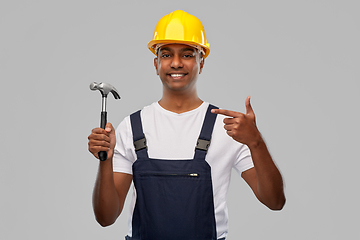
(241, 127)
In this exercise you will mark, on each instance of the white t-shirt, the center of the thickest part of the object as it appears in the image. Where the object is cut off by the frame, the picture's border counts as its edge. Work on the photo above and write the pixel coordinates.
(171, 135)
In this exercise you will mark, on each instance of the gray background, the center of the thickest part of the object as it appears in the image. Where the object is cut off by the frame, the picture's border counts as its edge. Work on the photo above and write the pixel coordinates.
(299, 60)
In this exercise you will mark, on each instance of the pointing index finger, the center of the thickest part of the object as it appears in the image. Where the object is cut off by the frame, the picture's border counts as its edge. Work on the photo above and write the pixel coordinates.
(225, 112)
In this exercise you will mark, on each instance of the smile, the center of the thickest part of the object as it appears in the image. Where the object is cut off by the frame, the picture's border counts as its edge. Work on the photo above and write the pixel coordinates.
(177, 75)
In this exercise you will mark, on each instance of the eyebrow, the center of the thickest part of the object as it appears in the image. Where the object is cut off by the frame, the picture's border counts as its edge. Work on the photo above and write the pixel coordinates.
(182, 50)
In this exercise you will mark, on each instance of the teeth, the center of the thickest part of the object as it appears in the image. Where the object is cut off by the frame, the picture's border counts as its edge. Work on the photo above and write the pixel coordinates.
(177, 75)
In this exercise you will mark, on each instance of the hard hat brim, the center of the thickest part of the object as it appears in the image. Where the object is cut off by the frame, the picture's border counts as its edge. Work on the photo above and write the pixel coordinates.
(151, 45)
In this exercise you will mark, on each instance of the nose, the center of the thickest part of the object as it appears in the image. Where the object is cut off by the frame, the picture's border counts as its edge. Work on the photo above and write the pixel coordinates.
(176, 62)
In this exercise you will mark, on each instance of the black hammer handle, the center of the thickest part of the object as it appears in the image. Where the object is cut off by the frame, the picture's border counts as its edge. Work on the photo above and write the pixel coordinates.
(102, 154)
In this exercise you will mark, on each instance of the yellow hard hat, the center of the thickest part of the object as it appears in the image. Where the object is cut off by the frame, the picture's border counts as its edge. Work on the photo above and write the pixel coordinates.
(180, 27)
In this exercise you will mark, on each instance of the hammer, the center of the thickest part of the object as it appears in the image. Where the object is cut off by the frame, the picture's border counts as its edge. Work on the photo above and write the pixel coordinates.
(104, 88)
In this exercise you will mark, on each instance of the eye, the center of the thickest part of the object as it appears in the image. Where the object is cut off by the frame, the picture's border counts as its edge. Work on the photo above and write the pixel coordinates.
(189, 55)
(165, 55)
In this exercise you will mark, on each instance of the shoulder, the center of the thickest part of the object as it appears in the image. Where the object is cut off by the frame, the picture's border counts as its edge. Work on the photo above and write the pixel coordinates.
(125, 124)
(148, 109)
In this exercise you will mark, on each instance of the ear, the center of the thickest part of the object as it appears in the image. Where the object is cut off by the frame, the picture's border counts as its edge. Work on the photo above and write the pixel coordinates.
(202, 62)
(156, 65)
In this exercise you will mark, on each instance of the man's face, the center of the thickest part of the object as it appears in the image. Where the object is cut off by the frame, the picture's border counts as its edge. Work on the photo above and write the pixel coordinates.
(178, 66)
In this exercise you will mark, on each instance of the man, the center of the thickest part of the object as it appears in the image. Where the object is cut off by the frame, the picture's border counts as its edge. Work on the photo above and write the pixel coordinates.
(177, 152)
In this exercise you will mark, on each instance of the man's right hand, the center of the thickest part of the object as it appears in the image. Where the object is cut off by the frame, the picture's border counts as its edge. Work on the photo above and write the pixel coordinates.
(110, 188)
(102, 140)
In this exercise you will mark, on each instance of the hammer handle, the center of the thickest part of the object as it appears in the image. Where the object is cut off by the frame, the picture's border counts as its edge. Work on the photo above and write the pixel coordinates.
(103, 154)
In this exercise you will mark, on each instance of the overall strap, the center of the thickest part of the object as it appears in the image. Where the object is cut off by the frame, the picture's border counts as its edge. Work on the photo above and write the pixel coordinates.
(138, 135)
(203, 142)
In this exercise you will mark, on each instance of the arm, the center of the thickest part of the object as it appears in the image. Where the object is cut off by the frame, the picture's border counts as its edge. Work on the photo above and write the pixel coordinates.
(264, 179)
(110, 188)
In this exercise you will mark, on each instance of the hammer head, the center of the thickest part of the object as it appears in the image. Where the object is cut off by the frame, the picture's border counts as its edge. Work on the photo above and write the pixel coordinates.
(105, 88)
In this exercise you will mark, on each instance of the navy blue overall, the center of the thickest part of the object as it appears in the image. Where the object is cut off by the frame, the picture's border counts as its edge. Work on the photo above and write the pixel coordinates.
(174, 197)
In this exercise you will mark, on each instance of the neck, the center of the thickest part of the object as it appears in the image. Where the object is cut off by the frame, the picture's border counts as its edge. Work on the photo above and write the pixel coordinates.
(180, 103)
